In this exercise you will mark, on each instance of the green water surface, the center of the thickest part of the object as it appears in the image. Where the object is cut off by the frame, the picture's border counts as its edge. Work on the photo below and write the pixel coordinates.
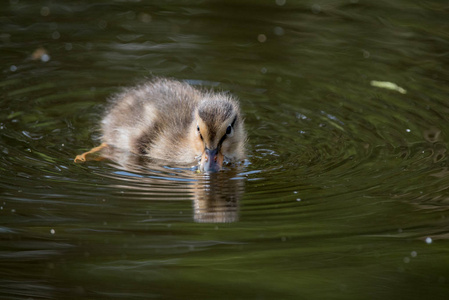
(344, 194)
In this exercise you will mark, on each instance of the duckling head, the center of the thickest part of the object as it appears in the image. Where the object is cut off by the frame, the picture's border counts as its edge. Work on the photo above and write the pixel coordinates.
(219, 132)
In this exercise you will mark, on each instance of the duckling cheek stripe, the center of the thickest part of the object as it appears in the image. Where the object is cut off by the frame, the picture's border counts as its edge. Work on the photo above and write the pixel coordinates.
(221, 141)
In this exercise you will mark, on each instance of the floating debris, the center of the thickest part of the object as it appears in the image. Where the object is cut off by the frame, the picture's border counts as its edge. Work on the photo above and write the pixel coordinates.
(40, 54)
(388, 85)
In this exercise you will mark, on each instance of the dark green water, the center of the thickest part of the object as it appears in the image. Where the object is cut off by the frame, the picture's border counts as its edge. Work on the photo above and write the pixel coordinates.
(345, 194)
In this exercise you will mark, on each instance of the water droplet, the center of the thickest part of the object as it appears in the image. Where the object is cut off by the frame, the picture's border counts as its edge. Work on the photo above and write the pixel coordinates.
(280, 2)
(316, 9)
(428, 240)
(406, 260)
(408, 130)
(13, 68)
(45, 11)
(45, 58)
(102, 24)
(366, 54)
(414, 253)
(262, 38)
(52, 231)
(56, 35)
(145, 18)
(278, 30)
(298, 199)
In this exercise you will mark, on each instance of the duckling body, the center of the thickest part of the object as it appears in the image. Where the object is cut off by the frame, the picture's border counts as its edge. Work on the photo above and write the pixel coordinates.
(172, 121)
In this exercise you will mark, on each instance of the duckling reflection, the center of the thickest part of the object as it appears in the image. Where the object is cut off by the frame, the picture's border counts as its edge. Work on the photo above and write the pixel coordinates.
(216, 196)
(171, 121)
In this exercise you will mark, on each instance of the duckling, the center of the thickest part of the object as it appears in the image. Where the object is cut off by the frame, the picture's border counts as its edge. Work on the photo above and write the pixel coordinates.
(171, 121)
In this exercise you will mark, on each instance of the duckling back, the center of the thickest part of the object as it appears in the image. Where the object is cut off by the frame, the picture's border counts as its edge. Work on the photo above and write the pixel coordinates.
(159, 111)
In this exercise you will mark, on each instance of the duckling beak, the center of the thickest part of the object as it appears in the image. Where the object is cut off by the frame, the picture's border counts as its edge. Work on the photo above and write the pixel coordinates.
(211, 161)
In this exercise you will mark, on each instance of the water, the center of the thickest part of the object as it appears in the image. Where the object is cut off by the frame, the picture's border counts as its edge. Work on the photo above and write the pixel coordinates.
(345, 191)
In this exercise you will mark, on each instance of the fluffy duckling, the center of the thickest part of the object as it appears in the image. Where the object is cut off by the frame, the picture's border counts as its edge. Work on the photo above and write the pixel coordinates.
(172, 121)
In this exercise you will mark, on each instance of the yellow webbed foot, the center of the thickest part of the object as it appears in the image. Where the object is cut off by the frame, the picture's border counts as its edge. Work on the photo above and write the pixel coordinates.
(89, 155)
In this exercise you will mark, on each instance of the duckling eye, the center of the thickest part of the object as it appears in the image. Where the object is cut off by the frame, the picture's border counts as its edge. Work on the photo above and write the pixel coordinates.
(198, 128)
(229, 130)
